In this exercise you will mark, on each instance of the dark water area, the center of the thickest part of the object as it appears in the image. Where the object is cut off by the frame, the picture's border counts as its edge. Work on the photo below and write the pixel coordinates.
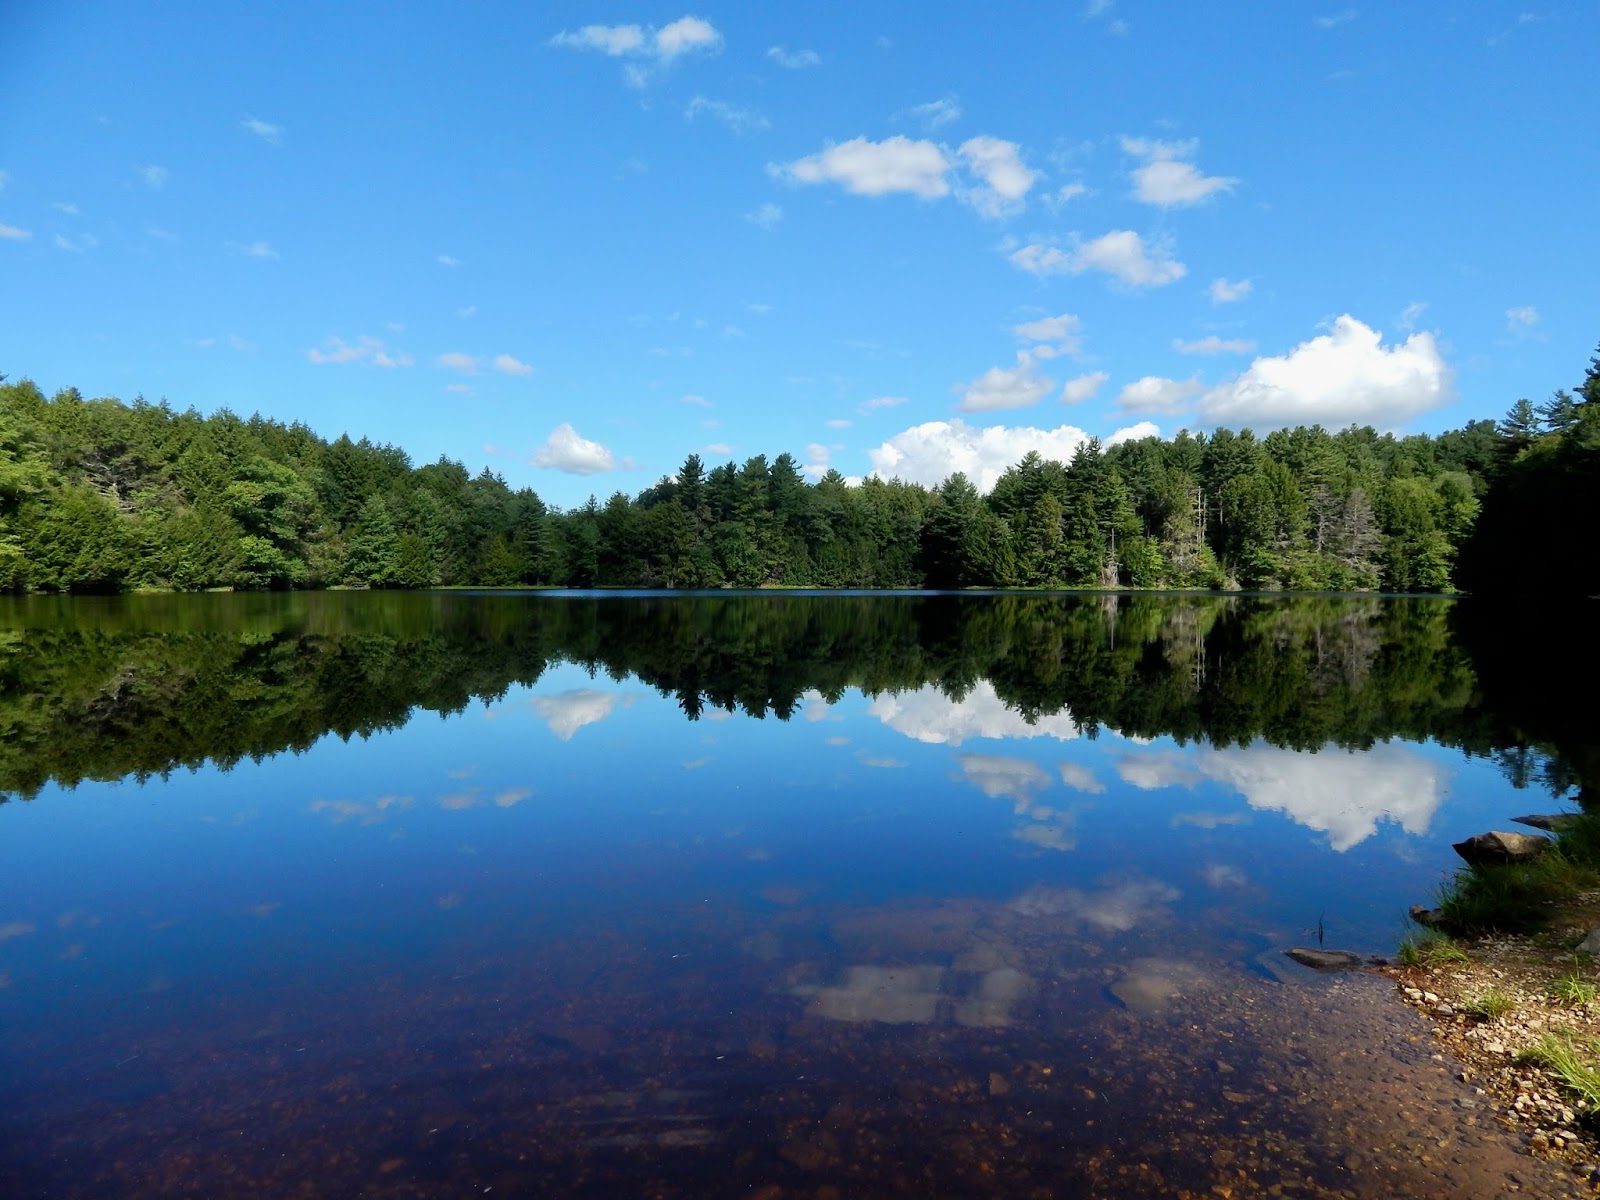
(741, 895)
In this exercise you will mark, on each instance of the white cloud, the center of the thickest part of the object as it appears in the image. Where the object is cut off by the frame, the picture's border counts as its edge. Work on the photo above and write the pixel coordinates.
(1005, 180)
(1117, 906)
(1062, 331)
(927, 715)
(760, 310)
(368, 350)
(1080, 778)
(934, 113)
(1523, 319)
(253, 249)
(77, 245)
(1213, 345)
(565, 450)
(568, 712)
(866, 168)
(468, 312)
(1084, 387)
(1070, 191)
(1122, 254)
(1003, 777)
(1153, 394)
(738, 118)
(456, 361)
(459, 389)
(1341, 377)
(816, 464)
(766, 217)
(1166, 179)
(155, 178)
(840, 423)
(12, 233)
(930, 453)
(697, 401)
(1225, 291)
(448, 260)
(719, 450)
(794, 60)
(1334, 20)
(1006, 387)
(507, 365)
(63, 206)
(1409, 315)
(264, 130)
(878, 402)
(657, 47)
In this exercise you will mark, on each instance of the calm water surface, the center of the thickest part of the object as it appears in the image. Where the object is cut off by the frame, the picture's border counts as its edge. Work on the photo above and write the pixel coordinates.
(733, 896)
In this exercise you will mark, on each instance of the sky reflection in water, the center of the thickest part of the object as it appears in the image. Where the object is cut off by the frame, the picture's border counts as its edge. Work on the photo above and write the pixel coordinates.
(572, 915)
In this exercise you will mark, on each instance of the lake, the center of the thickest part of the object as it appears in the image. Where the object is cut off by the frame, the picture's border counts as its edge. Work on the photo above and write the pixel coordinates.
(771, 895)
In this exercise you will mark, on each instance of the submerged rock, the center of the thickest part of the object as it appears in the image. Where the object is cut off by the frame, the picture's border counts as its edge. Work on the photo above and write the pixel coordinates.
(1325, 960)
(1549, 822)
(1499, 847)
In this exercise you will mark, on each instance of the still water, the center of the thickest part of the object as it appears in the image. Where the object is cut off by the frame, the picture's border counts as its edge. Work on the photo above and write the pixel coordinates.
(810, 896)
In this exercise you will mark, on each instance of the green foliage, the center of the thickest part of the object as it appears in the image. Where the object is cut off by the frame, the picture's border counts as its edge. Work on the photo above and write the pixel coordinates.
(1430, 948)
(1574, 1061)
(1574, 990)
(1489, 1005)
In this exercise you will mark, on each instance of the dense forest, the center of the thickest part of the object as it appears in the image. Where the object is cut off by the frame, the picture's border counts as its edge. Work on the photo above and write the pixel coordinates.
(106, 496)
(103, 688)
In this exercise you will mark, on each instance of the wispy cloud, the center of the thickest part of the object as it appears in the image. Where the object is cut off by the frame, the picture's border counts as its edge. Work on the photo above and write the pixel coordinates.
(1225, 291)
(651, 49)
(253, 249)
(767, 217)
(448, 260)
(740, 119)
(1334, 20)
(456, 361)
(77, 245)
(507, 365)
(1122, 254)
(264, 130)
(794, 60)
(366, 350)
(934, 114)
(1213, 345)
(154, 177)
(12, 233)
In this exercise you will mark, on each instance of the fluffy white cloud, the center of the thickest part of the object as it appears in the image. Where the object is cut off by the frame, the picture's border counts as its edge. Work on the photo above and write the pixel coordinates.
(794, 60)
(766, 217)
(1080, 778)
(1166, 179)
(737, 117)
(934, 113)
(1118, 905)
(565, 450)
(154, 177)
(685, 34)
(264, 130)
(15, 234)
(1084, 387)
(1122, 254)
(369, 350)
(456, 361)
(507, 365)
(1213, 345)
(1224, 291)
(1006, 387)
(1341, 377)
(928, 715)
(664, 44)
(817, 455)
(1002, 777)
(569, 712)
(1062, 331)
(1005, 179)
(930, 453)
(1153, 394)
(896, 164)
(1333, 791)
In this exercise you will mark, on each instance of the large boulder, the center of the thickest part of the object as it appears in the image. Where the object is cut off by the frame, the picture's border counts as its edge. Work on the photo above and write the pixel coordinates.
(1499, 847)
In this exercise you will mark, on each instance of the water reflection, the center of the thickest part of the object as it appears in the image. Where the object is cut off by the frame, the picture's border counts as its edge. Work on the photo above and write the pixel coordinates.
(938, 929)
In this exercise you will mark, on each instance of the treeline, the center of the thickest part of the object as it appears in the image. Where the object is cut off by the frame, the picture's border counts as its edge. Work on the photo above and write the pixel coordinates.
(104, 688)
(102, 496)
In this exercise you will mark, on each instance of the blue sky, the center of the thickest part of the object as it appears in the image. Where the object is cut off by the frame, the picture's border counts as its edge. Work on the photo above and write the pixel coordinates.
(576, 242)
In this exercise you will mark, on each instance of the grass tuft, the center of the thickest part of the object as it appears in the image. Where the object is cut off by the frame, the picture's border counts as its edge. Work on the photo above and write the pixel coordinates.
(1489, 1004)
(1572, 1062)
(1430, 948)
(1574, 991)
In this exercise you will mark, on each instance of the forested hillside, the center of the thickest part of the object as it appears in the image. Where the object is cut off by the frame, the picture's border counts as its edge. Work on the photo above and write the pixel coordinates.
(100, 495)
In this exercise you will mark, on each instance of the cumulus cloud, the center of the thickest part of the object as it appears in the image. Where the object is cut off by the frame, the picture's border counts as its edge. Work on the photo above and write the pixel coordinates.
(507, 365)
(1167, 179)
(867, 168)
(737, 117)
(765, 217)
(1213, 345)
(1342, 377)
(1003, 777)
(1080, 778)
(1225, 291)
(1342, 794)
(1084, 387)
(931, 452)
(1005, 179)
(1062, 331)
(565, 450)
(568, 712)
(264, 130)
(943, 111)
(1159, 396)
(1122, 254)
(651, 48)
(368, 350)
(456, 361)
(928, 715)
(794, 60)
(1006, 387)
